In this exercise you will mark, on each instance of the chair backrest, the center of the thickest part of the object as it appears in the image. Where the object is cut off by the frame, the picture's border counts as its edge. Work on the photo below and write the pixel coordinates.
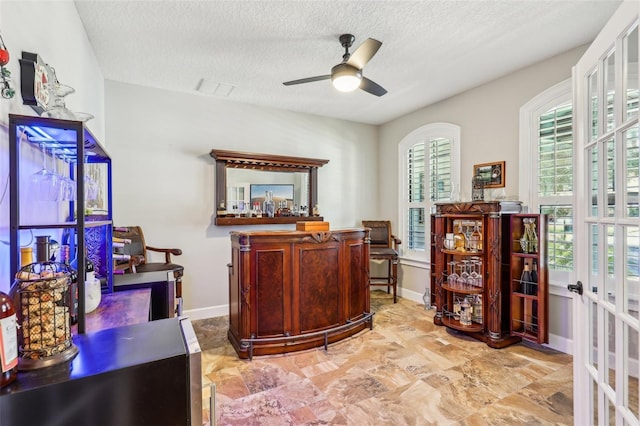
(380, 234)
(137, 246)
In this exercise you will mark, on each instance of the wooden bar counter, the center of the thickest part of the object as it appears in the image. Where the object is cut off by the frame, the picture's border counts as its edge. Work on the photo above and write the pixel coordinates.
(294, 290)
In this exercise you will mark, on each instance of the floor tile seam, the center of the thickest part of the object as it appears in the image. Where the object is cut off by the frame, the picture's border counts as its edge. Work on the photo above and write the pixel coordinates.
(505, 403)
(486, 387)
(380, 398)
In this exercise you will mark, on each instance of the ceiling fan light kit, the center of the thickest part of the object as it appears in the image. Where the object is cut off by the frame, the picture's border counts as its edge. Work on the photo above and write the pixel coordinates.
(347, 75)
(345, 78)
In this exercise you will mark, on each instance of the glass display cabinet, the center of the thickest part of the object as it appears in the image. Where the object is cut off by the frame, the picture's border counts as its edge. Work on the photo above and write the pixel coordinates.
(528, 276)
(60, 187)
(477, 270)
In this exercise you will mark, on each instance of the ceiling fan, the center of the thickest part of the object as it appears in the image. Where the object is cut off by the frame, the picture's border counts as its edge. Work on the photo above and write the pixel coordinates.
(347, 75)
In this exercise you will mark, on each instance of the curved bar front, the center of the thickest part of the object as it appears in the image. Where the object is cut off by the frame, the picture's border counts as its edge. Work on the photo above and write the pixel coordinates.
(294, 290)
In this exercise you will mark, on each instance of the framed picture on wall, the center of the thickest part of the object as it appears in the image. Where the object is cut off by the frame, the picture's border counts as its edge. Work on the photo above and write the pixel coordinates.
(493, 174)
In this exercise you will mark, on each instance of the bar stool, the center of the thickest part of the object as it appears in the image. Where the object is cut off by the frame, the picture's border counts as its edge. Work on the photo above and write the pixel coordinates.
(383, 246)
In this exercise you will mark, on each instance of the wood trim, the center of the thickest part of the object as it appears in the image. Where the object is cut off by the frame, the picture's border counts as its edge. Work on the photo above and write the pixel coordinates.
(265, 161)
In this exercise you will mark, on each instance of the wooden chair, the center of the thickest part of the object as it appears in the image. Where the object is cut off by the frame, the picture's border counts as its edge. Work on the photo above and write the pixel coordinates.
(383, 246)
(138, 261)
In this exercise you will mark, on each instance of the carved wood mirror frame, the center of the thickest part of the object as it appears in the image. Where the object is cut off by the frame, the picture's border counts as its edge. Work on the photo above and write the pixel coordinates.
(263, 162)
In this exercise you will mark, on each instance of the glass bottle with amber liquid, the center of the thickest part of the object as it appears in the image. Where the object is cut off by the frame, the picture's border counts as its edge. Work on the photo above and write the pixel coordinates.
(8, 341)
(458, 236)
(476, 237)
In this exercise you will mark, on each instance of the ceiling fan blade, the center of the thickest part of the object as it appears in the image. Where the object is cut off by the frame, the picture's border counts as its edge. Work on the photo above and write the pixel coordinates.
(372, 87)
(364, 53)
(307, 80)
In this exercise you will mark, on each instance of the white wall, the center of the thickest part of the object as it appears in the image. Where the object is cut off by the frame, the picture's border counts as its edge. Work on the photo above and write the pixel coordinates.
(164, 176)
(54, 31)
(489, 119)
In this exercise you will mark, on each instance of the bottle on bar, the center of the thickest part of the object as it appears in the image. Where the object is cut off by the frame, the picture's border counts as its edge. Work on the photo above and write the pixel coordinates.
(525, 280)
(8, 341)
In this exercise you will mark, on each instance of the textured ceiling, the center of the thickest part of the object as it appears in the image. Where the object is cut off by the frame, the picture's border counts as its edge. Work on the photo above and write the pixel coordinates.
(430, 49)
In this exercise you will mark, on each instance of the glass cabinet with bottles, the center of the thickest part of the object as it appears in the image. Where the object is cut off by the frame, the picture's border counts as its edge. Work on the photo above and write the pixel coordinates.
(473, 264)
(528, 277)
(60, 188)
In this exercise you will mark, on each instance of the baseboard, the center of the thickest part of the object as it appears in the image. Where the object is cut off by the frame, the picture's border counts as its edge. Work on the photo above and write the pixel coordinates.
(222, 310)
(560, 343)
(556, 342)
(208, 312)
(414, 296)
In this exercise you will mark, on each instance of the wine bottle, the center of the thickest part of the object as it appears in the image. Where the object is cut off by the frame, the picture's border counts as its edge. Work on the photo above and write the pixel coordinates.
(534, 304)
(534, 272)
(8, 341)
(525, 280)
(120, 240)
(269, 204)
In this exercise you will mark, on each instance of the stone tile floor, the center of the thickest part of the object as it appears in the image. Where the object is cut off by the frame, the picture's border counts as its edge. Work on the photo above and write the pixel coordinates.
(406, 371)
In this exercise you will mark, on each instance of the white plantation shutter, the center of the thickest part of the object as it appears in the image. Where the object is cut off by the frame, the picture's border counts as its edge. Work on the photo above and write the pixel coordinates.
(440, 162)
(416, 185)
(430, 159)
(555, 183)
(555, 152)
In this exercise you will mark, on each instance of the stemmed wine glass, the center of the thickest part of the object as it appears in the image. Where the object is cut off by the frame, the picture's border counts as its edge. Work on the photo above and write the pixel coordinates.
(464, 274)
(476, 272)
(91, 187)
(452, 279)
(67, 190)
(45, 180)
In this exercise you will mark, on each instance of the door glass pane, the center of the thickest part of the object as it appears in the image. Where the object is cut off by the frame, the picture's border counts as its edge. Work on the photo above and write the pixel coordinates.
(609, 89)
(632, 171)
(632, 370)
(594, 397)
(593, 179)
(593, 335)
(594, 261)
(610, 412)
(632, 269)
(593, 104)
(610, 350)
(630, 43)
(610, 282)
(611, 177)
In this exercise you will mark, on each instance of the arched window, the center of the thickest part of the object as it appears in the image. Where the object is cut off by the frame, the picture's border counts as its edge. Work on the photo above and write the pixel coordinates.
(546, 166)
(429, 165)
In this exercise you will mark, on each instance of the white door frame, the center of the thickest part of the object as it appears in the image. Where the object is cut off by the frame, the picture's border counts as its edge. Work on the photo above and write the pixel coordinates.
(590, 371)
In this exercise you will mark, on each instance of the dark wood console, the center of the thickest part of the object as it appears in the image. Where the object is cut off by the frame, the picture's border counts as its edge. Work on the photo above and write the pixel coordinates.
(294, 290)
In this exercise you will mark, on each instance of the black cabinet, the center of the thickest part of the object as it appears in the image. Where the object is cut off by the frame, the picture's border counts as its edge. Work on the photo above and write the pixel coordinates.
(143, 374)
(75, 209)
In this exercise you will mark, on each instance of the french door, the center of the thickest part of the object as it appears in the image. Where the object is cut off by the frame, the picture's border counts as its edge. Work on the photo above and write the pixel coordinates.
(606, 322)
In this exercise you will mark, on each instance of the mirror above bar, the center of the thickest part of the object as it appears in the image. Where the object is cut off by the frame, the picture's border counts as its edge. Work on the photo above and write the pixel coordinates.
(244, 180)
